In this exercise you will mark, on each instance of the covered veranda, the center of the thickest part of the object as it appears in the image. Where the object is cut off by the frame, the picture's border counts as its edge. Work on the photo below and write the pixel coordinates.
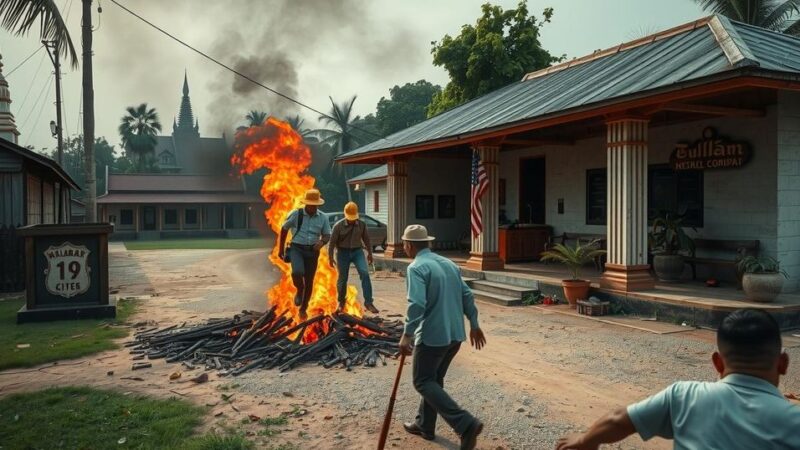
(621, 110)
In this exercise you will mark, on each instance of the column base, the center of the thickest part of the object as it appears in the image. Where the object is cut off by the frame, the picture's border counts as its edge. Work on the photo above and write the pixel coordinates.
(627, 278)
(394, 251)
(484, 261)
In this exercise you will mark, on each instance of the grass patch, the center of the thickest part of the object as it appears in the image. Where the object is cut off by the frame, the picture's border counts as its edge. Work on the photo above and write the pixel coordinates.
(53, 341)
(81, 417)
(208, 244)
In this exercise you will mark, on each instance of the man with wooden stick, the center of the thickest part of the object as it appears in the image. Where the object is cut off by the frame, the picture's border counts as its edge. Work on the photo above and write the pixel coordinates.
(743, 410)
(349, 237)
(438, 300)
(310, 232)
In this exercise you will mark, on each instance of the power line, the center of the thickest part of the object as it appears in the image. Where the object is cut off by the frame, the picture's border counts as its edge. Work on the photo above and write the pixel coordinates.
(44, 88)
(30, 85)
(48, 87)
(223, 65)
(24, 61)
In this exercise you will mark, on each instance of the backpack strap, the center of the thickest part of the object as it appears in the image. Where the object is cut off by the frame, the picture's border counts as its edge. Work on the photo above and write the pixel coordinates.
(299, 220)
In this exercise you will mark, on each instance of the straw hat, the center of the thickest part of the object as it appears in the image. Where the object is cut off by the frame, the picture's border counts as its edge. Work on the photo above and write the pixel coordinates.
(416, 233)
(351, 211)
(313, 198)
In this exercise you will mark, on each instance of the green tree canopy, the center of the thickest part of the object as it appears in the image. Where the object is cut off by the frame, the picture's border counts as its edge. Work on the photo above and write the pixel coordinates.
(775, 15)
(405, 106)
(73, 161)
(499, 49)
(255, 117)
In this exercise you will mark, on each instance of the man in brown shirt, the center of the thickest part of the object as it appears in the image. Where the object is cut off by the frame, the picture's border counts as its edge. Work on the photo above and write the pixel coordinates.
(349, 237)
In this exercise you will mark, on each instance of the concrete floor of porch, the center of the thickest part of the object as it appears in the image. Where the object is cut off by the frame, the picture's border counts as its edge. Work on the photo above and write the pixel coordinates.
(700, 304)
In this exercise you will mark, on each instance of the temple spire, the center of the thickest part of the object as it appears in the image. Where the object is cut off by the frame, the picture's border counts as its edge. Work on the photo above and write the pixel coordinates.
(186, 121)
(8, 128)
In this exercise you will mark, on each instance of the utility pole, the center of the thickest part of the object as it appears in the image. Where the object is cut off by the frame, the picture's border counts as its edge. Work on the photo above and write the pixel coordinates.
(52, 51)
(88, 114)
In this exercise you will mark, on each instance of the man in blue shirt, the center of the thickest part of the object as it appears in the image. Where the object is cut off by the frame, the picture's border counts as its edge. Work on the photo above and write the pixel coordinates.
(438, 300)
(743, 410)
(309, 233)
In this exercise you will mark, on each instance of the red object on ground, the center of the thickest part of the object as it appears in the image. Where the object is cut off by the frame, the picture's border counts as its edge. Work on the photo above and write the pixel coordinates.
(712, 282)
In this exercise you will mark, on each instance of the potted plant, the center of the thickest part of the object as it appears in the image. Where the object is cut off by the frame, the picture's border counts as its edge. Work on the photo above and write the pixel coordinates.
(762, 278)
(667, 241)
(574, 258)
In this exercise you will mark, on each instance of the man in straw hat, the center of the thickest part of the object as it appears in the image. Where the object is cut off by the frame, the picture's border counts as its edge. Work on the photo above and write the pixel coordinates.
(348, 237)
(310, 231)
(437, 301)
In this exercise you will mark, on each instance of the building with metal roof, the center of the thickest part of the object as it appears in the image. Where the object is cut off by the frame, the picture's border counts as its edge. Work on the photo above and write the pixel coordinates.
(702, 120)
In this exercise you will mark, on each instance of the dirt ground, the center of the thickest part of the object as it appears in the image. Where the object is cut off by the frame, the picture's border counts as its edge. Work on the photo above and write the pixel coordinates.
(541, 375)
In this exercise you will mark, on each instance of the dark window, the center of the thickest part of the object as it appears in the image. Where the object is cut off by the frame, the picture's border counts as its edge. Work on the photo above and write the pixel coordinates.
(376, 201)
(596, 187)
(170, 217)
(424, 207)
(447, 206)
(126, 217)
(190, 217)
(680, 192)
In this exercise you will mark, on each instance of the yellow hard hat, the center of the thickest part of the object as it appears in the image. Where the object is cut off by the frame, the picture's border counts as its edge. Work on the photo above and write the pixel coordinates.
(351, 211)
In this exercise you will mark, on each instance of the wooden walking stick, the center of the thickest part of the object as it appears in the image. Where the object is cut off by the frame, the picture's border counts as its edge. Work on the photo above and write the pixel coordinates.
(388, 418)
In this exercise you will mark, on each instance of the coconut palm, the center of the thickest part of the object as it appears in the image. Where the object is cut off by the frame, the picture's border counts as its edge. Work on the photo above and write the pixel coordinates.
(255, 118)
(776, 15)
(138, 131)
(339, 136)
(20, 16)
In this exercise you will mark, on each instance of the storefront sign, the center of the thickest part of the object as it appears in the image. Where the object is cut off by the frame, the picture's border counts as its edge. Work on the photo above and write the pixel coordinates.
(67, 272)
(710, 152)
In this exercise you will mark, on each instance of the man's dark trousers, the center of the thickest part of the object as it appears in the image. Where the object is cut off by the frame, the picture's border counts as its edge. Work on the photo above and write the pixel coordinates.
(430, 367)
(304, 266)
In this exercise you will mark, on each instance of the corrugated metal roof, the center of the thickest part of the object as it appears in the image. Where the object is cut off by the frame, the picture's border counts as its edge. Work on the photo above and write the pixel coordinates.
(374, 174)
(41, 160)
(173, 183)
(669, 58)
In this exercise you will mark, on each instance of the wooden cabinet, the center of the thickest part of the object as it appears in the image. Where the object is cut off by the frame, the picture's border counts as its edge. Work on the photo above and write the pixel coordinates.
(523, 244)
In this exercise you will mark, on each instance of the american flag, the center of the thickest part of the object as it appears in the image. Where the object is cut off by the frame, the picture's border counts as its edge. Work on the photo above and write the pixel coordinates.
(480, 183)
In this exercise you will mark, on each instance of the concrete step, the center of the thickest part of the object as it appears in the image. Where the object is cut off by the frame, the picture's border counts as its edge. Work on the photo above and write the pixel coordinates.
(497, 299)
(509, 290)
(512, 279)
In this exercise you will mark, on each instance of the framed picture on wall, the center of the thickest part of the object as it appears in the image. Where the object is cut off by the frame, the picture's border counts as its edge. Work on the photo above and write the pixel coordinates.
(424, 207)
(447, 206)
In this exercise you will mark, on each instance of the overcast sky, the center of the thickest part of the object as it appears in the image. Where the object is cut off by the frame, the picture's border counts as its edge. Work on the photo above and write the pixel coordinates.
(305, 48)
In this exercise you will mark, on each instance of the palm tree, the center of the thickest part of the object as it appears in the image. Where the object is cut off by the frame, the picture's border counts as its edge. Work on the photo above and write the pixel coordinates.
(255, 118)
(775, 15)
(19, 16)
(340, 135)
(138, 131)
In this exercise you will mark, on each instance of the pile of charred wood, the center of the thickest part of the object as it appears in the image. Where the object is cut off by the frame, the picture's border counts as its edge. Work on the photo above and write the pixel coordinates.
(271, 340)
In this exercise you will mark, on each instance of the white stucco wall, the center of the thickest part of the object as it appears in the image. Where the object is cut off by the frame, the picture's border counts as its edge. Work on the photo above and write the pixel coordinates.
(440, 176)
(382, 215)
(738, 203)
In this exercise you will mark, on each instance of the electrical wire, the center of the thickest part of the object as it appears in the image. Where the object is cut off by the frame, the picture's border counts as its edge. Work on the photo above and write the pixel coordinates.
(240, 74)
(30, 85)
(39, 114)
(44, 88)
(24, 61)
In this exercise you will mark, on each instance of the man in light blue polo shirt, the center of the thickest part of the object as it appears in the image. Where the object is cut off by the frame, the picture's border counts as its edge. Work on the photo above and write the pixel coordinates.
(743, 410)
(309, 233)
(438, 300)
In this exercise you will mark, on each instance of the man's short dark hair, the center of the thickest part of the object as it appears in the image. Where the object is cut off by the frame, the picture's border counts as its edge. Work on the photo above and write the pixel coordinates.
(749, 339)
(419, 245)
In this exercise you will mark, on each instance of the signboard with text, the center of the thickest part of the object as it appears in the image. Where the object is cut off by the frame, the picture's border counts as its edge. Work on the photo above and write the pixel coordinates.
(67, 272)
(710, 152)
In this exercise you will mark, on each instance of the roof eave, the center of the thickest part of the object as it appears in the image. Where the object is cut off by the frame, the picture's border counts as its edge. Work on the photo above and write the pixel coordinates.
(744, 73)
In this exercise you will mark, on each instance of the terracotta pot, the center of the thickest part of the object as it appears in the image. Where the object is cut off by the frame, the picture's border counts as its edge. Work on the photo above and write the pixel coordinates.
(668, 267)
(575, 290)
(762, 287)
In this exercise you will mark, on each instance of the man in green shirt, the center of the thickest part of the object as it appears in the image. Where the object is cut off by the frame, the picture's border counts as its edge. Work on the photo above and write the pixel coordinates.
(438, 300)
(743, 410)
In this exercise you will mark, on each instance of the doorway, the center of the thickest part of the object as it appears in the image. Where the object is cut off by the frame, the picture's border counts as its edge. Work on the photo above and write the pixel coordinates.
(148, 218)
(532, 190)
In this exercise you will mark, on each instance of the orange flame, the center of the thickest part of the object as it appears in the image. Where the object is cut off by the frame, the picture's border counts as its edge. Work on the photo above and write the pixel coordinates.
(277, 147)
